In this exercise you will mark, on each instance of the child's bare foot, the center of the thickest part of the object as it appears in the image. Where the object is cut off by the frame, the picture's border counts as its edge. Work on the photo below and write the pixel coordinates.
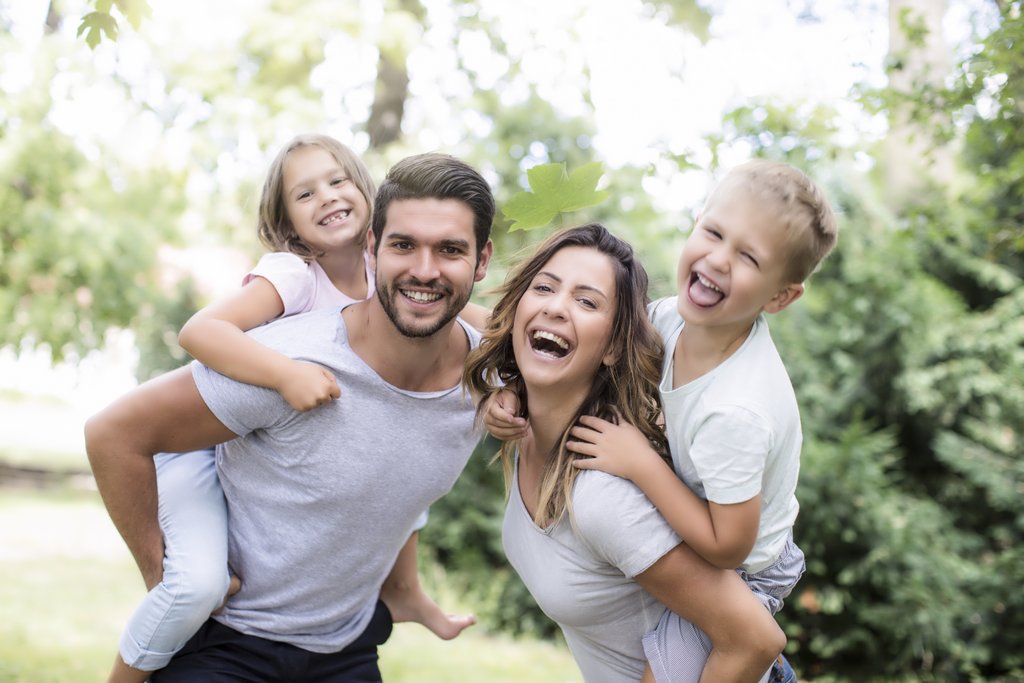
(416, 606)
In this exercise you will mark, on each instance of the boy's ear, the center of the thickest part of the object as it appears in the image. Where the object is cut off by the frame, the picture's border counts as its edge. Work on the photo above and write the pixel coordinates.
(784, 297)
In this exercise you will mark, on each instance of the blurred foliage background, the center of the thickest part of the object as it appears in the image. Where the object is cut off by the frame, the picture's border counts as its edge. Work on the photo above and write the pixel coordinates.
(907, 352)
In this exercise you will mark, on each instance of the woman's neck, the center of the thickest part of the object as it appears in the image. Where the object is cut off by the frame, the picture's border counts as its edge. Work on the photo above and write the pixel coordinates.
(550, 415)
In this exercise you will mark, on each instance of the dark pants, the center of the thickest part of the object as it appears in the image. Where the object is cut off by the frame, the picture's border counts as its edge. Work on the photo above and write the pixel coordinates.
(218, 654)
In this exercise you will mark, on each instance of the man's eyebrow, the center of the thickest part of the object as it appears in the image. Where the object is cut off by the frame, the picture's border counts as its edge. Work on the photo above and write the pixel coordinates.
(459, 243)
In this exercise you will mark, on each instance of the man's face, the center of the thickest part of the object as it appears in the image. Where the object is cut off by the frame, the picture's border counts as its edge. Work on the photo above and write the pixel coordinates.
(426, 263)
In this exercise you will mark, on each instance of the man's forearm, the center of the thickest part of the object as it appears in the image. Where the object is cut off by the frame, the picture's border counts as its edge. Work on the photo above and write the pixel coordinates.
(166, 414)
(127, 484)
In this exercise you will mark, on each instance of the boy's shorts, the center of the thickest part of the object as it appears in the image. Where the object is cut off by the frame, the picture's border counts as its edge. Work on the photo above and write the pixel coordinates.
(677, 650)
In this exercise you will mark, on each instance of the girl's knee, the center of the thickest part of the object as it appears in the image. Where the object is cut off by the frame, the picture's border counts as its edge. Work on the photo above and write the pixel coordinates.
(201, 586)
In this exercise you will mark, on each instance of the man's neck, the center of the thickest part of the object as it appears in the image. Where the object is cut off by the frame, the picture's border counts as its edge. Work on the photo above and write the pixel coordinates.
(433, 363)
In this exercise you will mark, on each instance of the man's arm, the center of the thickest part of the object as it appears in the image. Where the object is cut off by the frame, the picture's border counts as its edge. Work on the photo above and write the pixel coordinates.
(165, 414)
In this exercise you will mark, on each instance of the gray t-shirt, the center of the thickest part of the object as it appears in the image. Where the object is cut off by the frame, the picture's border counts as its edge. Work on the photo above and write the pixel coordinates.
(582, 577)
(320, 502)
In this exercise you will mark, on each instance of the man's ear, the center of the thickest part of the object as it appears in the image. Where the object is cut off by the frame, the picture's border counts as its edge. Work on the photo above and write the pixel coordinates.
(784, 297)
(483, 261)
(371, 248)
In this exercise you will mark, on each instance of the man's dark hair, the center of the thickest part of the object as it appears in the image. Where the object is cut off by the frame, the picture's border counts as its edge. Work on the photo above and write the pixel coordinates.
(436, 176)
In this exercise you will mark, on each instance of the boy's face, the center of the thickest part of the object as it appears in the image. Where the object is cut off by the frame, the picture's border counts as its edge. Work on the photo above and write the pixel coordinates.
(733, 264)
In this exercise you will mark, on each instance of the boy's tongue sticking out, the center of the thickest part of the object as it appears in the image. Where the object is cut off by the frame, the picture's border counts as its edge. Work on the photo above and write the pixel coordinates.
(704, 292)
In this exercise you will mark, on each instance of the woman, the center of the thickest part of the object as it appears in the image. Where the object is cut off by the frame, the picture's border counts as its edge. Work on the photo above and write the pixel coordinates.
(571, 334)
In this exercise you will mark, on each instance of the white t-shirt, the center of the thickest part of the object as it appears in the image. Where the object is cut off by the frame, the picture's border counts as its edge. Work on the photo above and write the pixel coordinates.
(302, 286)
(735, 431)
(582, 577)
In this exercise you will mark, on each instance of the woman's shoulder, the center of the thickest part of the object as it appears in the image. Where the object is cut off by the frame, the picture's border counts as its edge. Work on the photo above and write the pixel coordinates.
(605, 501)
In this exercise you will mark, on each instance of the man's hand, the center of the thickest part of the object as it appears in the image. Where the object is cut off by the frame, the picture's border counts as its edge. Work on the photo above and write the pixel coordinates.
(501, 417)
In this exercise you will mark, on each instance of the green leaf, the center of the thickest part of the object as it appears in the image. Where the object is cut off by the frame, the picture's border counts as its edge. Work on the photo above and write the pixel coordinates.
(553, 191)
(94, 25)
(134, 10)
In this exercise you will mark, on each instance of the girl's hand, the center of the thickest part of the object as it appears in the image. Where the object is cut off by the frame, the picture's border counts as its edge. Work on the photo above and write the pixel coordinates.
(619, 449)
(501, 417)
(308, 385)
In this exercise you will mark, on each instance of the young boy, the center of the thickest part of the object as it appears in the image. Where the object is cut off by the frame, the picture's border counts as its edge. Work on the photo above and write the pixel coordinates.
(730, 411)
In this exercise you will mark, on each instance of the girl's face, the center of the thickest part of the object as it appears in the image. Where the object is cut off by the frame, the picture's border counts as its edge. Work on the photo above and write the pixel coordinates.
(562, 329)
(325, 207)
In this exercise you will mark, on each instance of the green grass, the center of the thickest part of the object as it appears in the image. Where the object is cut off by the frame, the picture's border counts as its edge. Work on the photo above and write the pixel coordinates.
(67, 586)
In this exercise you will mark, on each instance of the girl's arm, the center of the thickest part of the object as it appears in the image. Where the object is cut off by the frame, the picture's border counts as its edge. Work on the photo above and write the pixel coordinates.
(721, 534)
(745, 638)
(476, 315)
(216, 337)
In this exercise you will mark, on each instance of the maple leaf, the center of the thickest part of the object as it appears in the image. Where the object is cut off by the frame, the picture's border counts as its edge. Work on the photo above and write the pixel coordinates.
(554, 191)
(94, 25)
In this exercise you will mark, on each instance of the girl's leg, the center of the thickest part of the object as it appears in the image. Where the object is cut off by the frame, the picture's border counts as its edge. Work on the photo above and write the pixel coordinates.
(193, 517)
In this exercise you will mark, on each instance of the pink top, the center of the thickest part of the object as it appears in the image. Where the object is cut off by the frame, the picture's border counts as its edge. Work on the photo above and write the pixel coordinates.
(304, 286)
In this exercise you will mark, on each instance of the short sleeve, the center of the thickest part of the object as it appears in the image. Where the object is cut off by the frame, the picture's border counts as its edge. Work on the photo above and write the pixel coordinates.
(729, 451)
(292, 277)
(240, 407)
(619, 524)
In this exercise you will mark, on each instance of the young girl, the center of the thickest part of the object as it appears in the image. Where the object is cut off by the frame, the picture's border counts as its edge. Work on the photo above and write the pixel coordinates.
(314, 213)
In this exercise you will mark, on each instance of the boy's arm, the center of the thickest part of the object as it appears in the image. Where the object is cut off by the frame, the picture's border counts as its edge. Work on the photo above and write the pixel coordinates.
(166, 414)
(216, 337)
(745, 637)
(722, 534)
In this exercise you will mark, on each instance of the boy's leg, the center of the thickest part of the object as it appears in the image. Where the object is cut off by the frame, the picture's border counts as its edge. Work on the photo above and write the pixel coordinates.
(746, 639)
(193, 517)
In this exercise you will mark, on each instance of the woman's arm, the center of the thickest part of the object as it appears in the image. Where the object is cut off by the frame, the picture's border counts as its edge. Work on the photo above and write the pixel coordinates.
(722, 534)
(745, 638)
(216, 337)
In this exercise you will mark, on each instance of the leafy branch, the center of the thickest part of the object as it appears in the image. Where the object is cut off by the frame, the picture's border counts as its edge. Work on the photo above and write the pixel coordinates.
(554, 191)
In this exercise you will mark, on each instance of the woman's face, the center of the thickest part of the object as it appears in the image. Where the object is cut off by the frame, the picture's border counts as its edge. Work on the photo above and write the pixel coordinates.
(562, 329)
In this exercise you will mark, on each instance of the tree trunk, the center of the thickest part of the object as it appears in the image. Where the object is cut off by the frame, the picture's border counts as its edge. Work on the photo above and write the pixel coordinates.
(911, 159)
(392, 88)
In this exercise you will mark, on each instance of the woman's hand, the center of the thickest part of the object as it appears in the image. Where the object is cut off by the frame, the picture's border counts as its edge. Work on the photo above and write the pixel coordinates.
(620, 449)
(501, 417)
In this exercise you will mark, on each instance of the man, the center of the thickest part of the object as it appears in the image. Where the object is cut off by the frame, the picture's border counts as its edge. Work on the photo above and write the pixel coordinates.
(321, 502)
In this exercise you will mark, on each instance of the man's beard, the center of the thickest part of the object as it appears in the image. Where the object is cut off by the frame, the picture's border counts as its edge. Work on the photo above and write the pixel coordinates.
(386, 295)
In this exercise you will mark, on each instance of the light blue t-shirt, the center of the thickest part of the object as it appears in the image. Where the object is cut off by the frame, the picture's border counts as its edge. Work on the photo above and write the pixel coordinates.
(320, 502)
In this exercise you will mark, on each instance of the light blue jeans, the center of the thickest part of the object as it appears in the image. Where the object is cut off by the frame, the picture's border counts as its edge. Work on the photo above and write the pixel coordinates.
(194, 521)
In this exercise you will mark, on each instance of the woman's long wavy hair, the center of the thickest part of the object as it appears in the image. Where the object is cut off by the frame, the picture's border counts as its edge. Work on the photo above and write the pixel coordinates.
(626, 390)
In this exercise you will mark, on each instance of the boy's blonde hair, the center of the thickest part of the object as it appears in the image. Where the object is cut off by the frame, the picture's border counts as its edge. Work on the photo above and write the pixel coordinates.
(275, 229)
(798, 203)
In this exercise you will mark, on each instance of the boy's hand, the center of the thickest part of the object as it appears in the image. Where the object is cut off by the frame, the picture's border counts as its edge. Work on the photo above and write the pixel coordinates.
(501, 417)
(308, 385)
(619, 449)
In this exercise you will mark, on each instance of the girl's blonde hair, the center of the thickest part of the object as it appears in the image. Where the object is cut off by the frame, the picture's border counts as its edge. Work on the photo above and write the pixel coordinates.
(275, 229)
(626, 390)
